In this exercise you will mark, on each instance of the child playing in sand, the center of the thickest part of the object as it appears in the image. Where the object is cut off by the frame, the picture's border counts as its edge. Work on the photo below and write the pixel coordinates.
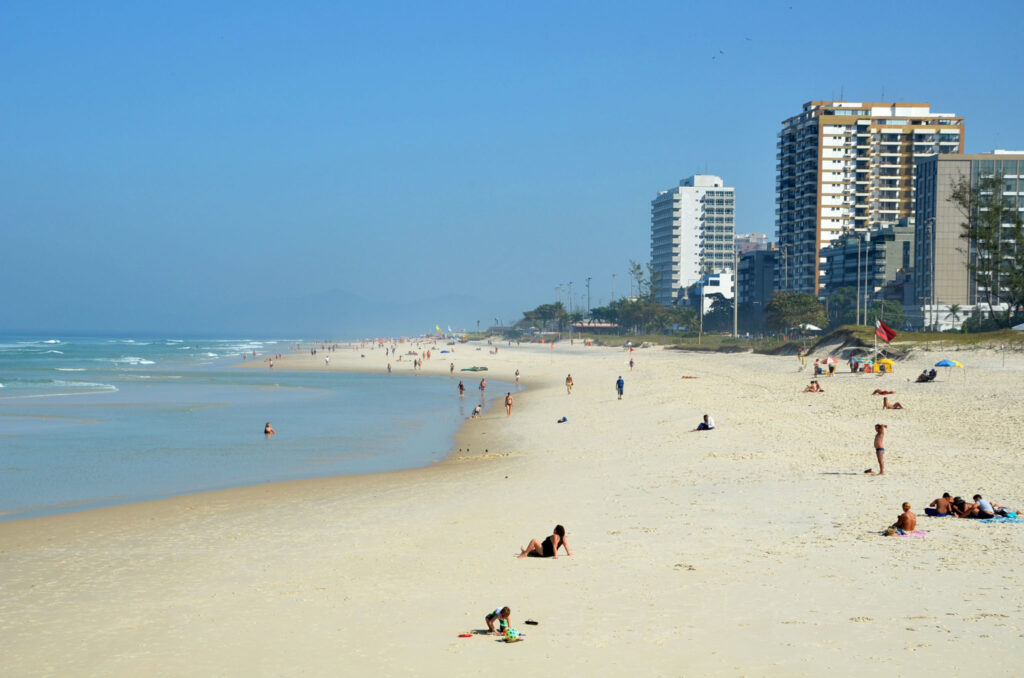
(500, 615)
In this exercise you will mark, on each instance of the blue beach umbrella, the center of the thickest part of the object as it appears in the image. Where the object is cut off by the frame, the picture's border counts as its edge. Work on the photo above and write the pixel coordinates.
(950, 364)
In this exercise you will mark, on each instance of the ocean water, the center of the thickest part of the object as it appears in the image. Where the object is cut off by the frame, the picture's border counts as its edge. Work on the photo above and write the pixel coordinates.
(88, 422)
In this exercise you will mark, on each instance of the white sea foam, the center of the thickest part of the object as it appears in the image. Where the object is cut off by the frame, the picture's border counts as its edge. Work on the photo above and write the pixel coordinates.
(60, 352)
(52, 341)
(211, 355)
(84, 384)
(70, 369)
(127, 360)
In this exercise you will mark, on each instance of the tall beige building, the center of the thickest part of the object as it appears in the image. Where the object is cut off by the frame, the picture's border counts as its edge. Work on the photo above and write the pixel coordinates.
(849, 166)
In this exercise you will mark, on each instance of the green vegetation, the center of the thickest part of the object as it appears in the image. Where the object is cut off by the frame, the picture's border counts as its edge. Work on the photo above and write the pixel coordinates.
(994, 231)
(787, 309)
(934, 341)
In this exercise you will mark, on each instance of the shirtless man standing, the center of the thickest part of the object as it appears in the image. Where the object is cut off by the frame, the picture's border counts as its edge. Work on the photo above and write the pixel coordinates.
(879, 449)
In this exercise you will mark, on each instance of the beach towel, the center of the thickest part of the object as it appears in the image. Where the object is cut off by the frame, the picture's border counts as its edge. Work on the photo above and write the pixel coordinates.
(916, 534)
(1010, 518)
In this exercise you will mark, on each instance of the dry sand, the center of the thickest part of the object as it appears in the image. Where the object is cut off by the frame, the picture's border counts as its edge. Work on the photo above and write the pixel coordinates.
(753, 550)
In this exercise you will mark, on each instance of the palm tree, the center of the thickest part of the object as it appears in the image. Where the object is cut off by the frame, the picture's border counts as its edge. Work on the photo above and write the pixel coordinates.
(954, 313)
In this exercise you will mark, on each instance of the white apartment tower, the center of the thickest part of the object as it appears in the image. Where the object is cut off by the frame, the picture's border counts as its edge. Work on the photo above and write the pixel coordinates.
(692, 234)
(849, 166)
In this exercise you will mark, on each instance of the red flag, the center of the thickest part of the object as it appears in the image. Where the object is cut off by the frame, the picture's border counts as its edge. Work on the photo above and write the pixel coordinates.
(884, 332)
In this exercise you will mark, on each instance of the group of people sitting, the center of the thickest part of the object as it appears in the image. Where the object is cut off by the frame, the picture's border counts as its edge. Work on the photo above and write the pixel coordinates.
(824, 367)
(926, 376)
(980, 508)
(814, 387)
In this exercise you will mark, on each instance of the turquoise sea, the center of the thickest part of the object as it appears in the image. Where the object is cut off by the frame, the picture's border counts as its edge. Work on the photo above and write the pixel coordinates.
(96, 421)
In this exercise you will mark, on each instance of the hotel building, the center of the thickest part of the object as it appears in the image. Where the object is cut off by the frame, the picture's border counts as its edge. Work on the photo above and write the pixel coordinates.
(849, 166)
(692, 233)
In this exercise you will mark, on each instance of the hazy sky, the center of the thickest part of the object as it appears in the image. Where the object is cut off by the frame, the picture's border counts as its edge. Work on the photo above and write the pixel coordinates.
(198, 166)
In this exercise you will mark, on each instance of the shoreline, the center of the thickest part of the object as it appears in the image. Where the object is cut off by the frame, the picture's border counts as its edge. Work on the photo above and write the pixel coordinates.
(750, 550)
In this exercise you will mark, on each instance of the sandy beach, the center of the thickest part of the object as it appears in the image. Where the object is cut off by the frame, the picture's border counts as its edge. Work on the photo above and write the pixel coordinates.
(751, 550)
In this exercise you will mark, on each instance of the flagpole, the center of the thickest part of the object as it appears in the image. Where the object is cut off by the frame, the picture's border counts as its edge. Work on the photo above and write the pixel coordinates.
(876, 347)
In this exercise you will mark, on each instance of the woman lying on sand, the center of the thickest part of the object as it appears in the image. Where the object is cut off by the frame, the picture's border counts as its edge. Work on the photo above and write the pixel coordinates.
(547, 548)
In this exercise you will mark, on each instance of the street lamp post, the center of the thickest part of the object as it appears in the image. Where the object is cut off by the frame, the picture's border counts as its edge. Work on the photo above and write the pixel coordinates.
(860, 244)
(930, 225)
(700, 311)
(735, 293)
(613, 287)
(588, 295)
(867, 258)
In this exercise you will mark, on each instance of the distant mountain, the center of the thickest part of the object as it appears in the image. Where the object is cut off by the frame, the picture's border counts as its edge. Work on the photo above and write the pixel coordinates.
(335, 314)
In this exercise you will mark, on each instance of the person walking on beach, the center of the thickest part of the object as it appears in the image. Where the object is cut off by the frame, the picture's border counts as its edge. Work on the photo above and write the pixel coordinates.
(483, 386)
(879, 449)
(517, 377)
(568, 384)
(631, 363)
(508, 404)
(389, 368)
(462, 388)
(451, 368)
(619, 386)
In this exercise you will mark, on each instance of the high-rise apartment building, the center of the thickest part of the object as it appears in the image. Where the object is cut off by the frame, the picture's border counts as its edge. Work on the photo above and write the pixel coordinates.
(849, 166)
(692, 233)
(941, 274)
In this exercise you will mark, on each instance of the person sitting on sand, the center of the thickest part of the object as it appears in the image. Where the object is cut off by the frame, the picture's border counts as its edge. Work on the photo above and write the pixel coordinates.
(879, 391)
(961, 509)
(943, 506)
(476, 412)
(905, 523)
(707, 425)
(923, 377)
(547, 548)
(886, 405)
(814, 387)
(500, 615)
(983, 509)
(268, 430)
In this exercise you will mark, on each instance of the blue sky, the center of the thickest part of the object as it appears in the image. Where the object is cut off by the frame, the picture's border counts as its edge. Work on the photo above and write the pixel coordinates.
(206, 166)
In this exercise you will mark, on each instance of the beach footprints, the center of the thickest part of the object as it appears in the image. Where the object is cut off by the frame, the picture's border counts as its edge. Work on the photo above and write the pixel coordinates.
(686, 567)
